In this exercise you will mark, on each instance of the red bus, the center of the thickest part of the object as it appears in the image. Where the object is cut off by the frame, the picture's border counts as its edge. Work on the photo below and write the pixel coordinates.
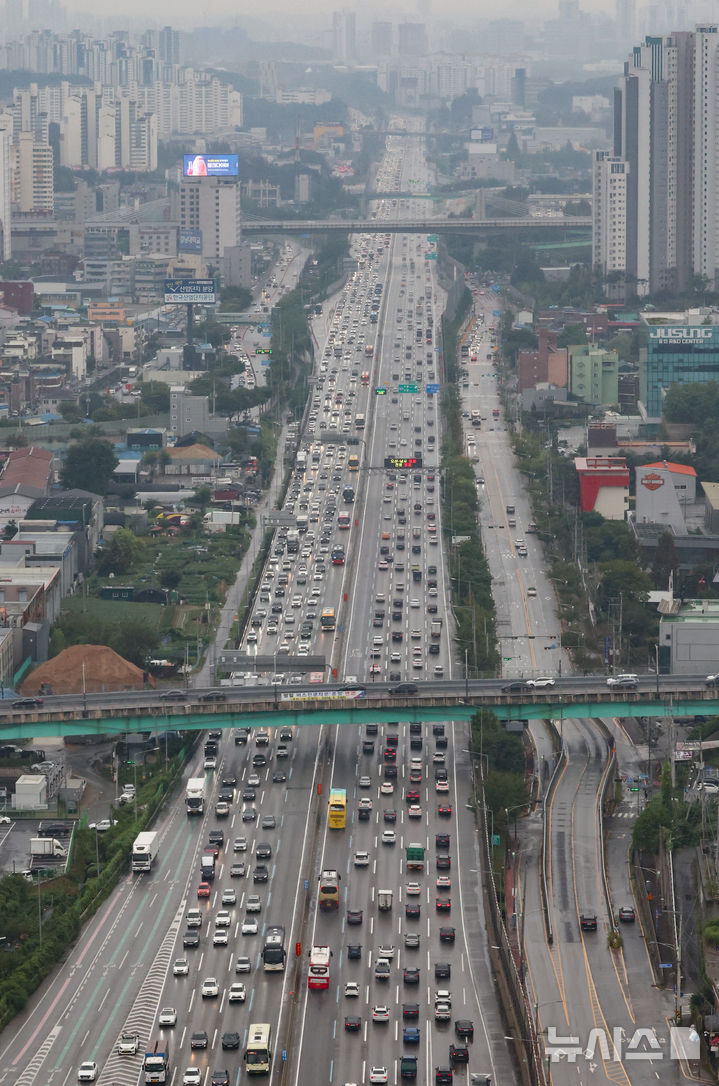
(319, 973)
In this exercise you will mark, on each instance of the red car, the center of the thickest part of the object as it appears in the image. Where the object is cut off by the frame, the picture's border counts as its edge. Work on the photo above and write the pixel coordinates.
(203, 890)
(445, 811)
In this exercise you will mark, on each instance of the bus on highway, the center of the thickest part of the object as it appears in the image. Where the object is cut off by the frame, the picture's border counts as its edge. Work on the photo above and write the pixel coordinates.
(329, 895)
(353, 462)
(359, 421)
(337, 819)
(273, 953)
(319, 973)
(258, 1055)
(328, 618)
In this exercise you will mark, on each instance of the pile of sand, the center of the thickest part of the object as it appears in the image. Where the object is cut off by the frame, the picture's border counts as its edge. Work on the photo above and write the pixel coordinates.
(104, 670)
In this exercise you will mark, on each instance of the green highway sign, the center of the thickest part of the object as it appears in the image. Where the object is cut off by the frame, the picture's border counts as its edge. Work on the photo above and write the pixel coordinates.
(407, 388)
(432, 237)
(430, 256)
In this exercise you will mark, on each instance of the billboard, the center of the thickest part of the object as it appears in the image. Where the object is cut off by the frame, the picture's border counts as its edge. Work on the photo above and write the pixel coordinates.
(189, 241)
(186, 291)
(101, 311)
(209, 166)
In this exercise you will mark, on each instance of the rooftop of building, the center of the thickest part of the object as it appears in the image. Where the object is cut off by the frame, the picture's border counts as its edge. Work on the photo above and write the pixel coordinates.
(602, 464)
(690, 611)
(30, 466)
(711, 493)
(669, 465)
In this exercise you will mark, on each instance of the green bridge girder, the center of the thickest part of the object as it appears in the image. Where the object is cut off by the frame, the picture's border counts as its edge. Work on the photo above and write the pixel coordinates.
(317, 711)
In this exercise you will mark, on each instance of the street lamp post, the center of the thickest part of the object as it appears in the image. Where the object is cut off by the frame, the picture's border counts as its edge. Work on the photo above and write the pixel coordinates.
(517, 807)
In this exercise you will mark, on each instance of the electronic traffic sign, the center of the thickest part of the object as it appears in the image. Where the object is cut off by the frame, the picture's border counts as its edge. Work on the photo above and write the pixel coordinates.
(402, 463)
(381, 390)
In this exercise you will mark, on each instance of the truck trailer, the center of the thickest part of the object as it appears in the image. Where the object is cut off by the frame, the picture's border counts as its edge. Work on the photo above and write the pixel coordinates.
(195, 796)
(144, 850)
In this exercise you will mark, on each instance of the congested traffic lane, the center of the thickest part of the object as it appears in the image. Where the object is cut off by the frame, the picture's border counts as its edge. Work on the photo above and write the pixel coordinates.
(396, 819)
(343, 1057)
(289, 804)
(122, 960)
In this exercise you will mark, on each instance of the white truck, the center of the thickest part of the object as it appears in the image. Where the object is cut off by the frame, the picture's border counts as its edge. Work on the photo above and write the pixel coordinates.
(384, 900)
(144, 850)
(195, 796)
(48, 846)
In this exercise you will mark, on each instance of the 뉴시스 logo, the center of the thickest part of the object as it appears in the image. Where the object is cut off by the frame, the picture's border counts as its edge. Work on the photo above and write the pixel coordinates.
(643, 1044)
(652, 481)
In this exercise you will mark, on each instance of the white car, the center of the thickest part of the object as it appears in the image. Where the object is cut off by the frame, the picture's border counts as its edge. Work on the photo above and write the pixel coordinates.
(378, 1074)
(87, 1071)
(181, 967)
(103, 825)
(414, 811)
(192, 1076)
(442, 786)
(210, 988)
(209, 763)
(380, 1014)
(167, 1017)
(223, 918)
(413, 888)
(219, 937)
(5, 821)
(387, 788)
(249, 926)
(352, 989)
(361, 859)
(229, 897)
(389, 837)
(545, 680)
(237, 992)
(386, 952)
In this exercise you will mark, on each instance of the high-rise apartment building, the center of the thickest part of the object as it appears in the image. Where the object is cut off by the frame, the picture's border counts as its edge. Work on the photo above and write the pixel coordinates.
(33, 182)
(344, 35)
(656, 206)
(381, 39)
(212, 206)
(5, 190)
(626, 11)
(412, 39)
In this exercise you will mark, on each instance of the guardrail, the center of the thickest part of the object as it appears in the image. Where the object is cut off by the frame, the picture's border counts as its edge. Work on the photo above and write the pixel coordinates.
(544, 865)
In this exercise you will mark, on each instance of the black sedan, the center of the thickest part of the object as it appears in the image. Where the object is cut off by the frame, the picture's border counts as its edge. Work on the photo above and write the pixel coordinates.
(353, 1024)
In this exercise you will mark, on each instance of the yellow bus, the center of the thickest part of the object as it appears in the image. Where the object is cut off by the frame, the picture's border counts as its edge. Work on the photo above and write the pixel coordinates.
(353, 462)
(329, 895)
(258, 1055)
(337, 819)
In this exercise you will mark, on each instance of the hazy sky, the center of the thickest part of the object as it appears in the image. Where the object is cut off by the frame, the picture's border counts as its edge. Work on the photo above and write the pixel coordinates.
(189, 12)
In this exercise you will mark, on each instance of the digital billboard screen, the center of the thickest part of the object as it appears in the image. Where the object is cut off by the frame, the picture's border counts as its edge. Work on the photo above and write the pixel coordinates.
(209, 166)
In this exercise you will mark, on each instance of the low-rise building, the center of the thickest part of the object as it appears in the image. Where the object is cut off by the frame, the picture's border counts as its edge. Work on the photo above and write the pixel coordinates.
(603, 485)
(689, 636)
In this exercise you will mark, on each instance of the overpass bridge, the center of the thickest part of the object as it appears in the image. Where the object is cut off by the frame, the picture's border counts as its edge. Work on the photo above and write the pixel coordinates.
(412, 226)
(262, 706)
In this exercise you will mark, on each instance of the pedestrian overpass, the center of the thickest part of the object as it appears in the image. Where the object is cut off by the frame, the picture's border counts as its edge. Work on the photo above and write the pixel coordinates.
(261, 707)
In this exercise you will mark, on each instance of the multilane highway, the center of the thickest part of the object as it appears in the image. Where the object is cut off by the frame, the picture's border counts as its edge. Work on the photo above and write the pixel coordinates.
(121, 973)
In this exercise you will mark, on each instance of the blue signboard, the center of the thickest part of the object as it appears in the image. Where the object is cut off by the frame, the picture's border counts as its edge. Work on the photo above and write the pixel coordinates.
(210, 165)
(432, 389)
(189, 241)
(186, 291)
(496, 312)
